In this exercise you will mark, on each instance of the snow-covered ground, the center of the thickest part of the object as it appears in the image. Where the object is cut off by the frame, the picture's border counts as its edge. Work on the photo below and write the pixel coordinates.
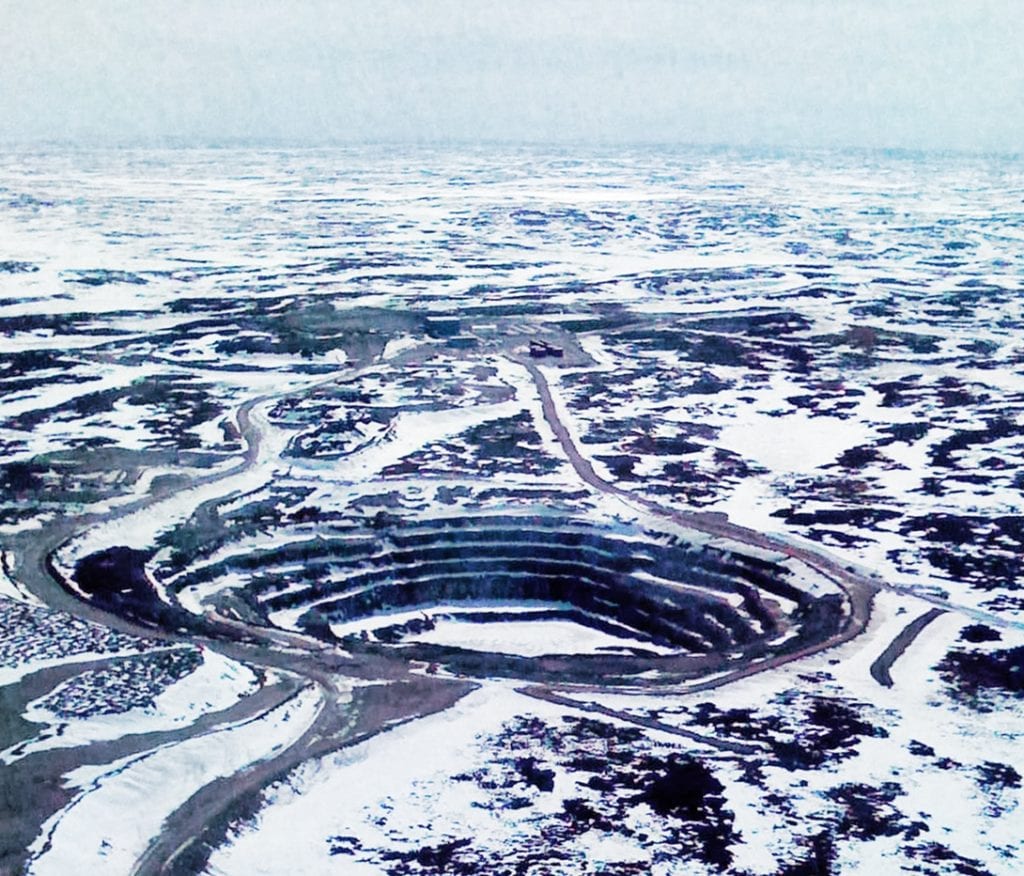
(396, 792)
(120, 806)
(877, 412)
(526, 638)
(216, 684)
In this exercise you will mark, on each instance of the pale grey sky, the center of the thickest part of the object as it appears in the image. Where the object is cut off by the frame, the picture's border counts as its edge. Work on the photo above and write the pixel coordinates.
(945, 74)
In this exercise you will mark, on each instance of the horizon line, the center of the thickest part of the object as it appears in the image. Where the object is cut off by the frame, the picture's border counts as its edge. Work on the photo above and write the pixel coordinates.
(175, 143)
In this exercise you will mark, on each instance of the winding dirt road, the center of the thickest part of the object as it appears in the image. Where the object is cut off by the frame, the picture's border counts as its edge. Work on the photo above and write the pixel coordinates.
(393, 695)
(859, 590)
(343, 719)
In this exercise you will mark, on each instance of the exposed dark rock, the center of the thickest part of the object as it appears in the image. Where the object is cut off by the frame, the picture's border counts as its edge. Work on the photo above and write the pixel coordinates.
(972, 674)
(945, 860)
(920, 749)
(977, 633)
(114, 571)
(9, 266)
(869, 811)
(685, 789)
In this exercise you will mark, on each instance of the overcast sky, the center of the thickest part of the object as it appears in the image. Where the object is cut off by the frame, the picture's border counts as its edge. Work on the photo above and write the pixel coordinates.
(945, 74)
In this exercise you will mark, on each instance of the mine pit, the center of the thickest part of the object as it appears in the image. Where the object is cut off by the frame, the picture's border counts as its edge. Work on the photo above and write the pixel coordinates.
(531, 595)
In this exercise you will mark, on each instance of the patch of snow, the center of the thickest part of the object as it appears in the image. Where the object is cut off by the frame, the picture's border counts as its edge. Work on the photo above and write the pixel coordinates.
(122, 805)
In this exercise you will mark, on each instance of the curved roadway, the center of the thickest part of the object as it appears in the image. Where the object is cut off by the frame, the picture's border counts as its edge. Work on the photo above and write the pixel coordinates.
(183, 842)
(339, 721)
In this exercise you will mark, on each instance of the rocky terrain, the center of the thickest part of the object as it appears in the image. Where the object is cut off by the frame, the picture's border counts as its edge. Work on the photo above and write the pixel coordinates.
(638, 512)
